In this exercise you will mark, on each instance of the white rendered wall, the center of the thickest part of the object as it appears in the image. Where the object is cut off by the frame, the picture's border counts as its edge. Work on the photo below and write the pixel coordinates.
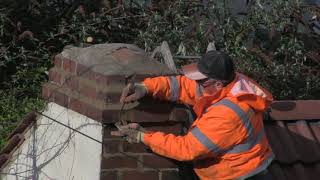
(58, 152)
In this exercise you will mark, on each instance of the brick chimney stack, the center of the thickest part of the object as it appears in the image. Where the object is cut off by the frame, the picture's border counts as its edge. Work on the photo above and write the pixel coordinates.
(90, 81)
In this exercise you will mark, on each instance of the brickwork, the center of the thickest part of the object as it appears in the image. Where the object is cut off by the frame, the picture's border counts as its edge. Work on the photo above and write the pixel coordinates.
(78, 87)
(138, 162)
(91, 84)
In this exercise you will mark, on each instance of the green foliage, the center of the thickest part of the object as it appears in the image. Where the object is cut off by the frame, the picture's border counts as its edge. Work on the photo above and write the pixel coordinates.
(13, 109)
(270, 42)
(182, 23)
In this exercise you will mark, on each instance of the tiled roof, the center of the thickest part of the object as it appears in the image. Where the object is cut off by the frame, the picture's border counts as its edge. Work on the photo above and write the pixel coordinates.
(293, 130)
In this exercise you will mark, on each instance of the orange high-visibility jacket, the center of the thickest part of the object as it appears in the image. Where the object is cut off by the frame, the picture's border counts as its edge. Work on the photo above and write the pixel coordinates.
(227, 140)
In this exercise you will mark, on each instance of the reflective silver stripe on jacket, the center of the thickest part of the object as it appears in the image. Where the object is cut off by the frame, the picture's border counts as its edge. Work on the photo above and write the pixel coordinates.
(244, 117)
(196, 132)
(248, 145)
(250, 142)
(175, 88)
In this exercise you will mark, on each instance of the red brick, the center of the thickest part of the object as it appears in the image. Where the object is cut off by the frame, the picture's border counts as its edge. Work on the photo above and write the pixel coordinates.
(45, 91)
(158, 107)
(116, 79)
(119, 162)
(69, 65)
(54, 76)
(88, 91)
(89, 75)
(101, 95)
(109, 175)
(139, 175)
(85, 72)
(111, 146)
(109, 98)
(110, 116)
(166, 127)
(179, 114)
(85, 109)
(60, 98)
(80, 69)
(155, 161)
(147, 116)
(58, 61)
(134, 148)
(101, 79)
(170, 175)
(76, 105)
(92, 112)
(72, 83)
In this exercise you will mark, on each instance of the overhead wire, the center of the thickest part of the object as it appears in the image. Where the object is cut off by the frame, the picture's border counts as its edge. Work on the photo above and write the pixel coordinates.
(93, 139)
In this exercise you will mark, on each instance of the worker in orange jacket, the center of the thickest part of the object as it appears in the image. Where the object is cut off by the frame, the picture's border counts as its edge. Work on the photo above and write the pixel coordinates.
(227, 139)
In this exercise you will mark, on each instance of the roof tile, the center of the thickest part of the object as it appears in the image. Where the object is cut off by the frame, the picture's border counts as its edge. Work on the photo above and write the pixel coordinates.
(294, 136)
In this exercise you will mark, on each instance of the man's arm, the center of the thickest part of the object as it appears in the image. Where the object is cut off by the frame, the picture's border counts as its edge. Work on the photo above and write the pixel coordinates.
(173, 88)
(209, 135)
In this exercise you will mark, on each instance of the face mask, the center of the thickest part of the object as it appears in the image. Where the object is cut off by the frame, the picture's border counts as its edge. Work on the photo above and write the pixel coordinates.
(209, 86)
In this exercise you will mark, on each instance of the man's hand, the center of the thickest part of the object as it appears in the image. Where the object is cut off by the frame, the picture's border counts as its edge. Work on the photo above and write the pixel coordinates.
(132, 132)
(133, 92)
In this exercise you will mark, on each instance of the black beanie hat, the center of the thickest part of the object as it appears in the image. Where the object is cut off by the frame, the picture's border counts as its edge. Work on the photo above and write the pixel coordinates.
(217, 65)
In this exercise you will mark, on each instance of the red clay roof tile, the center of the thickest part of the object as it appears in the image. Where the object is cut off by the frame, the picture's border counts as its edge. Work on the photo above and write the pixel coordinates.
(294, 137)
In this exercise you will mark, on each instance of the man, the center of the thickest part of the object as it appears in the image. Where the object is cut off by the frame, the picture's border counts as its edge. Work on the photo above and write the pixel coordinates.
(227, 139)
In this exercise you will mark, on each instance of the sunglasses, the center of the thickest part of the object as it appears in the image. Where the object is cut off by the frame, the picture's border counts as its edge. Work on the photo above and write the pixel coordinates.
(201, 81)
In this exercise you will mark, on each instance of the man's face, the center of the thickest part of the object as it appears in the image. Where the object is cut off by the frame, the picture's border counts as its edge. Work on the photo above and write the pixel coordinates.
(210, 86)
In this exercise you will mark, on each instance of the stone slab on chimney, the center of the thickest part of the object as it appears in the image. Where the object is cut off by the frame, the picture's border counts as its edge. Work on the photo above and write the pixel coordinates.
(90, 80)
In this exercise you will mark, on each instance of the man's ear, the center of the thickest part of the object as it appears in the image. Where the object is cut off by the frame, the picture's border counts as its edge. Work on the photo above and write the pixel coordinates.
(219, 85)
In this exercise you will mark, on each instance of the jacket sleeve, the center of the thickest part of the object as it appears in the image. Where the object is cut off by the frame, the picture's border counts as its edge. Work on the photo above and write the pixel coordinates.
(181, 148)
(209, 136)
(173, 88)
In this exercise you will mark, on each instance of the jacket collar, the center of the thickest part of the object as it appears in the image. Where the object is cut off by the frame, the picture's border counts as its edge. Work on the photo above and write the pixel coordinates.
(206, 100)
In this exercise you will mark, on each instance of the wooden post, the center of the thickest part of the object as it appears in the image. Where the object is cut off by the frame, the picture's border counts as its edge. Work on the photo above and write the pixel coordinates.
(211, 46)
(167, 56)
(164, 49)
